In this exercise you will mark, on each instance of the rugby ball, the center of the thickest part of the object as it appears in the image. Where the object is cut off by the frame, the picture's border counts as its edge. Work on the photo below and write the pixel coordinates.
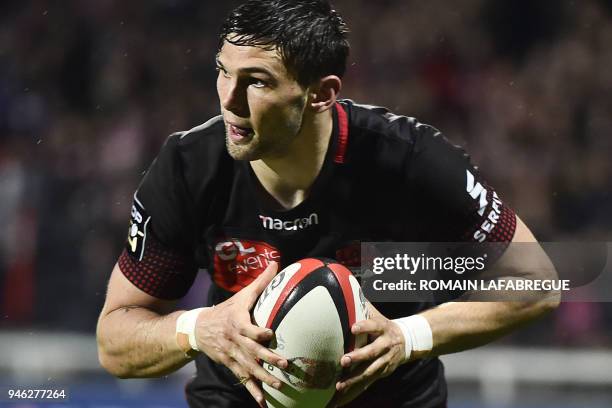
(310, 305)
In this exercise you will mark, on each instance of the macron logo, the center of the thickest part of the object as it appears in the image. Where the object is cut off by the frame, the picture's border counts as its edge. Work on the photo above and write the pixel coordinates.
(476, 191)
(292, 225)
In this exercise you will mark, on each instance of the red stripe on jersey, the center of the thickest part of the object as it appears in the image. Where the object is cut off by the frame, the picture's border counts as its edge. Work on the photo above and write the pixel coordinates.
(342, 274)
(308, 265)
(342, 134)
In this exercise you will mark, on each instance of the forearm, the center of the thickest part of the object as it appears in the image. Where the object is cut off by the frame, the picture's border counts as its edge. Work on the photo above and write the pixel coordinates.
(134, 342)
(481, 317)
(458, 326)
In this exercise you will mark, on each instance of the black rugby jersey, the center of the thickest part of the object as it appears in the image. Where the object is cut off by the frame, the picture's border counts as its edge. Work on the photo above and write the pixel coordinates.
(384, 178)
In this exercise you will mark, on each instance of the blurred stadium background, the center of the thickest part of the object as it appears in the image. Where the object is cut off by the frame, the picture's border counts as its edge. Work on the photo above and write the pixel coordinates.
(89, 89)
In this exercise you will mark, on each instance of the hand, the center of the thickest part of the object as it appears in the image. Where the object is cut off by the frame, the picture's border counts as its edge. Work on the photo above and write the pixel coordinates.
(226, 334)
(378, 359)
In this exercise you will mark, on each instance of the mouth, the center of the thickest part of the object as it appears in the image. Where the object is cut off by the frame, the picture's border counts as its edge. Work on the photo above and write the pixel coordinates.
(238, 134)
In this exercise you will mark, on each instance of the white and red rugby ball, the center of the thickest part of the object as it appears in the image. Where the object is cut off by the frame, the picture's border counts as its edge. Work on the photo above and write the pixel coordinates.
(310, 305)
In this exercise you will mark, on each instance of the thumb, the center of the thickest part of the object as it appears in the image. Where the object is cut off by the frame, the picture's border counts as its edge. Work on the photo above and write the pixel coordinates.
(258, 285)
(372, 312)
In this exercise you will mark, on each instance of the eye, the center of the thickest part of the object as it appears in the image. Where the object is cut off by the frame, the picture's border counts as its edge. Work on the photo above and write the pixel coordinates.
(223, 71)
(258, 83)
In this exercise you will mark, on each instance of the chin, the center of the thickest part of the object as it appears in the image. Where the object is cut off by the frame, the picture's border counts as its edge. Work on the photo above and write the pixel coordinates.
(248, 152)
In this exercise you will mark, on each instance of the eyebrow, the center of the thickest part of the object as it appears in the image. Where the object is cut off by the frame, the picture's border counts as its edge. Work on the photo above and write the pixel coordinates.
(247, 70)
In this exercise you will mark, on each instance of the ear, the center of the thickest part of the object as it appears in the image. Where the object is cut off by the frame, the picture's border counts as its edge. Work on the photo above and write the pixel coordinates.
(323, 94)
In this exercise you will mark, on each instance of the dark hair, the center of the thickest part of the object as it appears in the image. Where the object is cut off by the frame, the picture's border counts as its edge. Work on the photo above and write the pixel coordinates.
(309, 35)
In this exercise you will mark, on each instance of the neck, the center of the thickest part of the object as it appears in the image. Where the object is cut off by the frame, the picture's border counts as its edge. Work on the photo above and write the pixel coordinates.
(289, 177)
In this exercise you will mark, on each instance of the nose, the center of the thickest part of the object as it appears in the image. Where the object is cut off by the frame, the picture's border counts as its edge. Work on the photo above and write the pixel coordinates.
(232, 96)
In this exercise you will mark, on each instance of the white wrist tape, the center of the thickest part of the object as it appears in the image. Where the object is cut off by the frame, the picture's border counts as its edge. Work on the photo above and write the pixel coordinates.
(417, 333)
(186, 324)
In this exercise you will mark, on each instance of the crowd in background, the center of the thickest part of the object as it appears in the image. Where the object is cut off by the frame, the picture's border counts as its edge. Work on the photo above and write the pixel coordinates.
(89, 90)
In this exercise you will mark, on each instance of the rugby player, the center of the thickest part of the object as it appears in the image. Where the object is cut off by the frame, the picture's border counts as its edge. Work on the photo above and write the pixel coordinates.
(289, 171)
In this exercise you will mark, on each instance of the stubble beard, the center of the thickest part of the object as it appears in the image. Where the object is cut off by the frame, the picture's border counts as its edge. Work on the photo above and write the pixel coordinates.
(249, 151)
(258, 148)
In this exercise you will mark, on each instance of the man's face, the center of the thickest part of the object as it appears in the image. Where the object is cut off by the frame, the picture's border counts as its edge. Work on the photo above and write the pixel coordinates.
(261, 103)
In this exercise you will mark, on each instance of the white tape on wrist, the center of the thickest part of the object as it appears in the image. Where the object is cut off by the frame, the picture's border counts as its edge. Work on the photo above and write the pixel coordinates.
(186, 324)
(417, 333)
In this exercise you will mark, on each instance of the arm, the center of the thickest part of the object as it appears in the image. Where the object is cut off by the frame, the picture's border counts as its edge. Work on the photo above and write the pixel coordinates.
(138, 334)
(137, 337)
(455, 326)
(463, 325)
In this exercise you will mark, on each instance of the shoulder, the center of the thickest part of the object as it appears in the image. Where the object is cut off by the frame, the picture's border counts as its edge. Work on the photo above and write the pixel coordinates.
(191, 158)
(378, 120)
(385, 127)
(210, 134)
(378, 134)
(200, 150)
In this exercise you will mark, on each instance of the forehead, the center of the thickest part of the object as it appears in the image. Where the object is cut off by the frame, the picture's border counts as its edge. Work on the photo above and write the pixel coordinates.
(246, 57)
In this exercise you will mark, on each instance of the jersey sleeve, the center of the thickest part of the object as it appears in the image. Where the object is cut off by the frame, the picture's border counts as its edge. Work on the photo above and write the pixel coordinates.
(158, 256)
(461, 205)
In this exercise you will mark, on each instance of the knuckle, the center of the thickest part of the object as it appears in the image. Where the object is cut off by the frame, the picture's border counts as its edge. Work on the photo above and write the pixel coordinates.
(245, 358)
(386, 347)
(236, 325)
(238, 329)
(252, 364)
(223, 359)
(262, 355)
(231, 353)
(268, 379)
(262, 335)
(252, 347)
(225, 332)
(257, 335)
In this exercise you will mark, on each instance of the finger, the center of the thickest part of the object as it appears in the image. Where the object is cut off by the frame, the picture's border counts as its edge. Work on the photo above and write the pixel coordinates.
(343, 398)
(356, 371)
(254, 332)
(366, 353)
(255, 288)
(249, 383)
(368, 326)
(372, 311)
(248, 363)
(364, 378)
(263, 353)
(347, 393)
(256, 392)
